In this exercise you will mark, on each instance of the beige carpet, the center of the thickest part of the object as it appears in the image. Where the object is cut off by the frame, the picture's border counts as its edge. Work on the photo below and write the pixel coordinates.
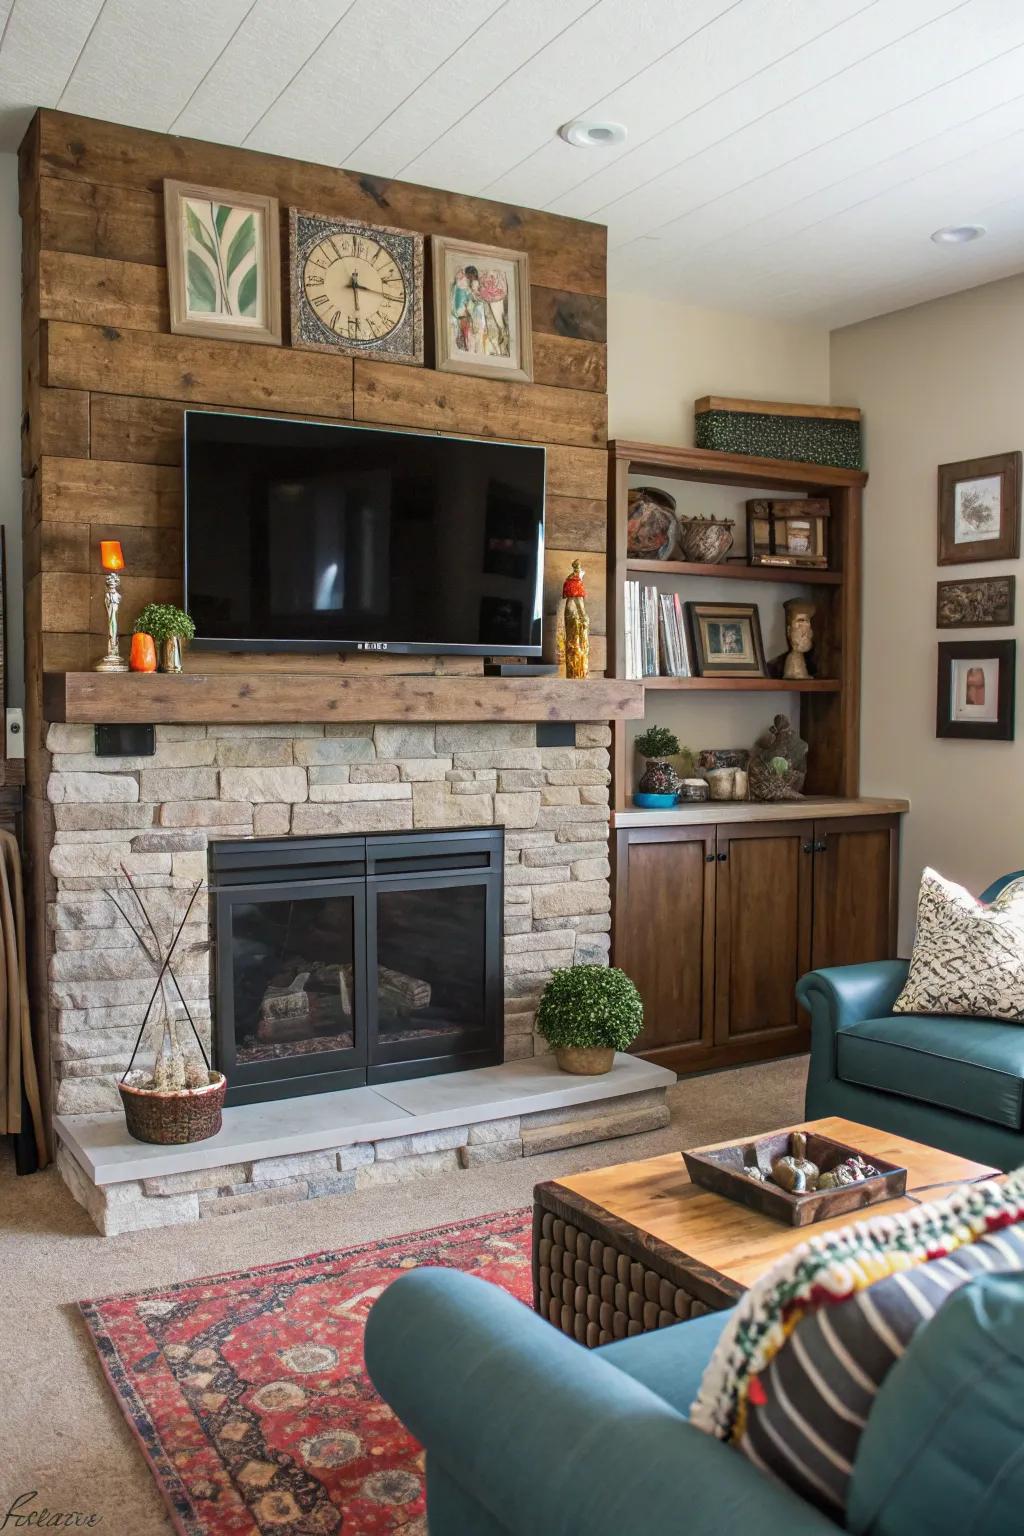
(61, 1432)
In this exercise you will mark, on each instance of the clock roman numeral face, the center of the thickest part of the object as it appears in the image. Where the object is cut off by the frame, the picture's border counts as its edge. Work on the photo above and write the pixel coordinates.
(355, 287)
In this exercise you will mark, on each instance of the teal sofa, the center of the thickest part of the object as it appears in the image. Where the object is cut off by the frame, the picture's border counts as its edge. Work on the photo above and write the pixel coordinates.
(527, 1433)
(954, 1083)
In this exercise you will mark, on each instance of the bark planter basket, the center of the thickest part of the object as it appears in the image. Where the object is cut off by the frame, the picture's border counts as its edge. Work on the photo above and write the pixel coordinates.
(174, 1116)
(585, 1060)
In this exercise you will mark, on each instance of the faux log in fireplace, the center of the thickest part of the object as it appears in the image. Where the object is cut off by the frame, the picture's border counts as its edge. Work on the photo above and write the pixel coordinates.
(356, 959)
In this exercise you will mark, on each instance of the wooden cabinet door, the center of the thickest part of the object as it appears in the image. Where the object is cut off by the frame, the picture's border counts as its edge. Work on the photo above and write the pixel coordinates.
(664, 932)
(856, 862)
(763, 933)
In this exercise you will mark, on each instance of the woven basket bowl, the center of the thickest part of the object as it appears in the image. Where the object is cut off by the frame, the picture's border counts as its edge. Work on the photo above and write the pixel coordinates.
(170, 1119)
(705, 541)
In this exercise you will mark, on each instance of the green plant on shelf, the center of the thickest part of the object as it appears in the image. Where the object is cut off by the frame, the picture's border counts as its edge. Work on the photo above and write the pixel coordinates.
(590, 1005)
(657, 742)
(163, 621)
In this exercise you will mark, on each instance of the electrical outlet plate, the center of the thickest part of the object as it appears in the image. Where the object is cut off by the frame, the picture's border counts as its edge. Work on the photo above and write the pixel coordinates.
(15, 733)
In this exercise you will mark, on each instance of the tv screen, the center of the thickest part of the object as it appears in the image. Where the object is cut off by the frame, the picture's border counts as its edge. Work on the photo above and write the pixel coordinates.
(313, 537)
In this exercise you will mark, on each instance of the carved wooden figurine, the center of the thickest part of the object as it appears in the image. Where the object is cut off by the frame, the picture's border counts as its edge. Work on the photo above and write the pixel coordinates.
(577, 624)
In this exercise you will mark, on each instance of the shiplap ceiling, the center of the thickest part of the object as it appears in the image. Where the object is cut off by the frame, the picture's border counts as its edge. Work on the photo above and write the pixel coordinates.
(784, 157)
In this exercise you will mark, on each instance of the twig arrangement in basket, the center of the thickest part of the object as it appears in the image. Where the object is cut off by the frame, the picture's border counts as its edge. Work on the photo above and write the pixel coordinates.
(174, 1069)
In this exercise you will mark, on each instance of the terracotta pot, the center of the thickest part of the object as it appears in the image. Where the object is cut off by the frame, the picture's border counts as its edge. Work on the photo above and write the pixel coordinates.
(142, 657)
(585, 1060)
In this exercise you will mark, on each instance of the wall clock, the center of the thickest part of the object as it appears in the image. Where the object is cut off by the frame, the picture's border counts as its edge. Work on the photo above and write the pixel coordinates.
(356, 288)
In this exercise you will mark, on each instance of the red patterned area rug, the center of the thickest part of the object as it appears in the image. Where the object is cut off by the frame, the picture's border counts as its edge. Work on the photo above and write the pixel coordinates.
(249, 1396)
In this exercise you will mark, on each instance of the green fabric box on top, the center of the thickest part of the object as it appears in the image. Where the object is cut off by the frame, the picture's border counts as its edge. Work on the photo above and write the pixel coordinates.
(771, 429)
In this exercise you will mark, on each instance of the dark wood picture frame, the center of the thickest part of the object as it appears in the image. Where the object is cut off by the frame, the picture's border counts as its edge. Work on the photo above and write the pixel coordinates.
(953, 651)
(1004, 545)
(976, 602)
(699, 614)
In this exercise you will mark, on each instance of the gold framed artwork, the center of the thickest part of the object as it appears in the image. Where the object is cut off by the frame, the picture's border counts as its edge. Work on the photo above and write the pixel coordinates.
(481, 310)
(223, 263)
(727, 639)
(356, 288)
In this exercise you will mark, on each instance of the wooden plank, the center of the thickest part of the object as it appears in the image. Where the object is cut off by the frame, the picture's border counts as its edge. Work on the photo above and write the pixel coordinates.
(56, 422)
(737, 569)
(286, 697)
(147, 551)
(56, 547)
(559, 313)
(557, 565)
(820, 807)
(576, 522)
(122, 223)
(104, 358)
(776, 408)
(564, 253)
(340, 664)
(732, 468)
(93, 291)
(449, 402)
(570, 364)
(62, 652)
(64, 601)
(91, 490)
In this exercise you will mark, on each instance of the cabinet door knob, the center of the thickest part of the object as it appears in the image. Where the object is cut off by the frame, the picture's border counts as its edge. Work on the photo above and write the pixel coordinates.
(709, 858)
(821, 847)
(722, 858)
(809, 847)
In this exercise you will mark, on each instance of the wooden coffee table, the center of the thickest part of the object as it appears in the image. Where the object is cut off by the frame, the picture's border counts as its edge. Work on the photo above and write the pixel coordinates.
(624, 1250)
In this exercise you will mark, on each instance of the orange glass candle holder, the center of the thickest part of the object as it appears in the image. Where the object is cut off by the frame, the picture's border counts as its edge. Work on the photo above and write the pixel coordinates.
(112, 560)
(142, 657)
(110, 555)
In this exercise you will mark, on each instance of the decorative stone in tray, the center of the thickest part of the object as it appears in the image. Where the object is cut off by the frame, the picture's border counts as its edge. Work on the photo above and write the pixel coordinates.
(825, 1177)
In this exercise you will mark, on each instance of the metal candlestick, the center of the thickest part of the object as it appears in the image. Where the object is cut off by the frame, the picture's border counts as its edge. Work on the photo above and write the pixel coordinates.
(112, 662)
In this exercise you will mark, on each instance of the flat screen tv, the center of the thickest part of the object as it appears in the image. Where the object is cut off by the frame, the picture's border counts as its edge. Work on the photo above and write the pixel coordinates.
(304, 536)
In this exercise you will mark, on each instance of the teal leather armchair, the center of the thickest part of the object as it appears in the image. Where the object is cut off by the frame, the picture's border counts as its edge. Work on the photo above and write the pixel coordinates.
(955, 1083)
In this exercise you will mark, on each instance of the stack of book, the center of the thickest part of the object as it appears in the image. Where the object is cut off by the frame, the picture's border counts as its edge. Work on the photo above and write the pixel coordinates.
(656, 641)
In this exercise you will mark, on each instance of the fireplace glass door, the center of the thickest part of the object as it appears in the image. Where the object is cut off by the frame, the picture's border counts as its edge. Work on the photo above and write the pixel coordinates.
(295, 980)
(430, 999)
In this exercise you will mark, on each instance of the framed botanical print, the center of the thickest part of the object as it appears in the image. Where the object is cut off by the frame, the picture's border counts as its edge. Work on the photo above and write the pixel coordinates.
(979, 509)
(726, 639)
(978, 602)
(481, 310)
(356, 288)
(976, 689)
(223, 263)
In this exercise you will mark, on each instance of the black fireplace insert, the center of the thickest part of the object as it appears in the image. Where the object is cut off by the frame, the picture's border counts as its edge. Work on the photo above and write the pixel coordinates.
(356, 959)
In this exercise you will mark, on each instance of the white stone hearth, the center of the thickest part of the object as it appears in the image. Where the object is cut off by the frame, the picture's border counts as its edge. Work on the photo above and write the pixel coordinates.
(360, 1138)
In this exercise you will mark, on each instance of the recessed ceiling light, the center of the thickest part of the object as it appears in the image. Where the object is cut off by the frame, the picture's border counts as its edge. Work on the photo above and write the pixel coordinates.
(587, 133)
(958, 234)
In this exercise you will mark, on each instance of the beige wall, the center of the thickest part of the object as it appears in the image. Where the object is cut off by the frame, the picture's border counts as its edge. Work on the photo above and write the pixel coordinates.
(662, 357)
(937, 383)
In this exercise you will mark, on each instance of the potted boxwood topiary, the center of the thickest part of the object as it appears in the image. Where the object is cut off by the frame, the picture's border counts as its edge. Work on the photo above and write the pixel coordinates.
(659, 783)
(587, 1013)
(169, 626)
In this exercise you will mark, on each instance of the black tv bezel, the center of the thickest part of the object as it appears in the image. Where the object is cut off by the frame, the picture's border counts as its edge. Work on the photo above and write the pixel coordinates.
(370, 647)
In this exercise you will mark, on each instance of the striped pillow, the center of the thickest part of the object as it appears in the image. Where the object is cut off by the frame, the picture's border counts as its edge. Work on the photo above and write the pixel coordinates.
(805, 1352)
(806, 1412)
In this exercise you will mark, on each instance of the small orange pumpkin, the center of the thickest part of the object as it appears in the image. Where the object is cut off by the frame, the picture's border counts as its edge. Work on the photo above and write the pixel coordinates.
(142, 657)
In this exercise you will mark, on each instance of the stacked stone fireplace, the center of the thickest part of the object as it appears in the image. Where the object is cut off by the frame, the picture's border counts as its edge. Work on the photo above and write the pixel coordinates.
(156, 816)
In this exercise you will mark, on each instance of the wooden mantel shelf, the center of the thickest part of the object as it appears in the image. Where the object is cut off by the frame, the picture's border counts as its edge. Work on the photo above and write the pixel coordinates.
(279, 698)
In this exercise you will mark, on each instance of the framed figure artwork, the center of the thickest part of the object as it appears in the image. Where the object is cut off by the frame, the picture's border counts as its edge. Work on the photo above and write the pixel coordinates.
(223, 263)
(979, 509)
(976, 689)
(481, 310)
(726, 639)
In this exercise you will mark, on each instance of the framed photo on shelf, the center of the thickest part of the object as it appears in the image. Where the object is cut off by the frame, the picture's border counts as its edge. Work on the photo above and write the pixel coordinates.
(979, 509)
(223, 263)
(482, 321)
(788, 533)
(726, 639)
(975, 602)
(976, 689)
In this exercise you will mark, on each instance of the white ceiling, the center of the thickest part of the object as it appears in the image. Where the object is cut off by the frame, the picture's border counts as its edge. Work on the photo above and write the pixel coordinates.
(785, 157)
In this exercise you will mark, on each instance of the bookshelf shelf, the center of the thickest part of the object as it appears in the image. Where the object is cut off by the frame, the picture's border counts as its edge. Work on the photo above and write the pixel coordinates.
(735, 571)
(746, 684)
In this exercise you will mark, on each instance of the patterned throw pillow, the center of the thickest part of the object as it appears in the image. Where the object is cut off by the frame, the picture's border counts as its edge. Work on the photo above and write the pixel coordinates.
(968, 959)
(809, 1346)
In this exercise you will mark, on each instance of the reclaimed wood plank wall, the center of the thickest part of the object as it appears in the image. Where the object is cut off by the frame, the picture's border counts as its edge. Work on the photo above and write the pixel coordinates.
(105, 383)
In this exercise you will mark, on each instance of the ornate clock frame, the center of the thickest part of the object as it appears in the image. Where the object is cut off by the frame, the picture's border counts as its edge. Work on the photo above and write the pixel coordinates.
(403, 344)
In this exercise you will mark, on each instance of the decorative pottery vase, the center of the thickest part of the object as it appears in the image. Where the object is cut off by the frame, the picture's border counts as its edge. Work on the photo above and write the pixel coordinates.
(585, 1060)
(170, 654)
(142, 657)
(652, 530)
(659, 778)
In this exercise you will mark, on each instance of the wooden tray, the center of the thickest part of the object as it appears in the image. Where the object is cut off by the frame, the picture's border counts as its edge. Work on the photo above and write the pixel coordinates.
(720, 1170)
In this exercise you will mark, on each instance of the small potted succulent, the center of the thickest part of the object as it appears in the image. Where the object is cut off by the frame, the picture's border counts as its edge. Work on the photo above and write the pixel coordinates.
(586, 1014)
(169, 627)
(659, 782)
